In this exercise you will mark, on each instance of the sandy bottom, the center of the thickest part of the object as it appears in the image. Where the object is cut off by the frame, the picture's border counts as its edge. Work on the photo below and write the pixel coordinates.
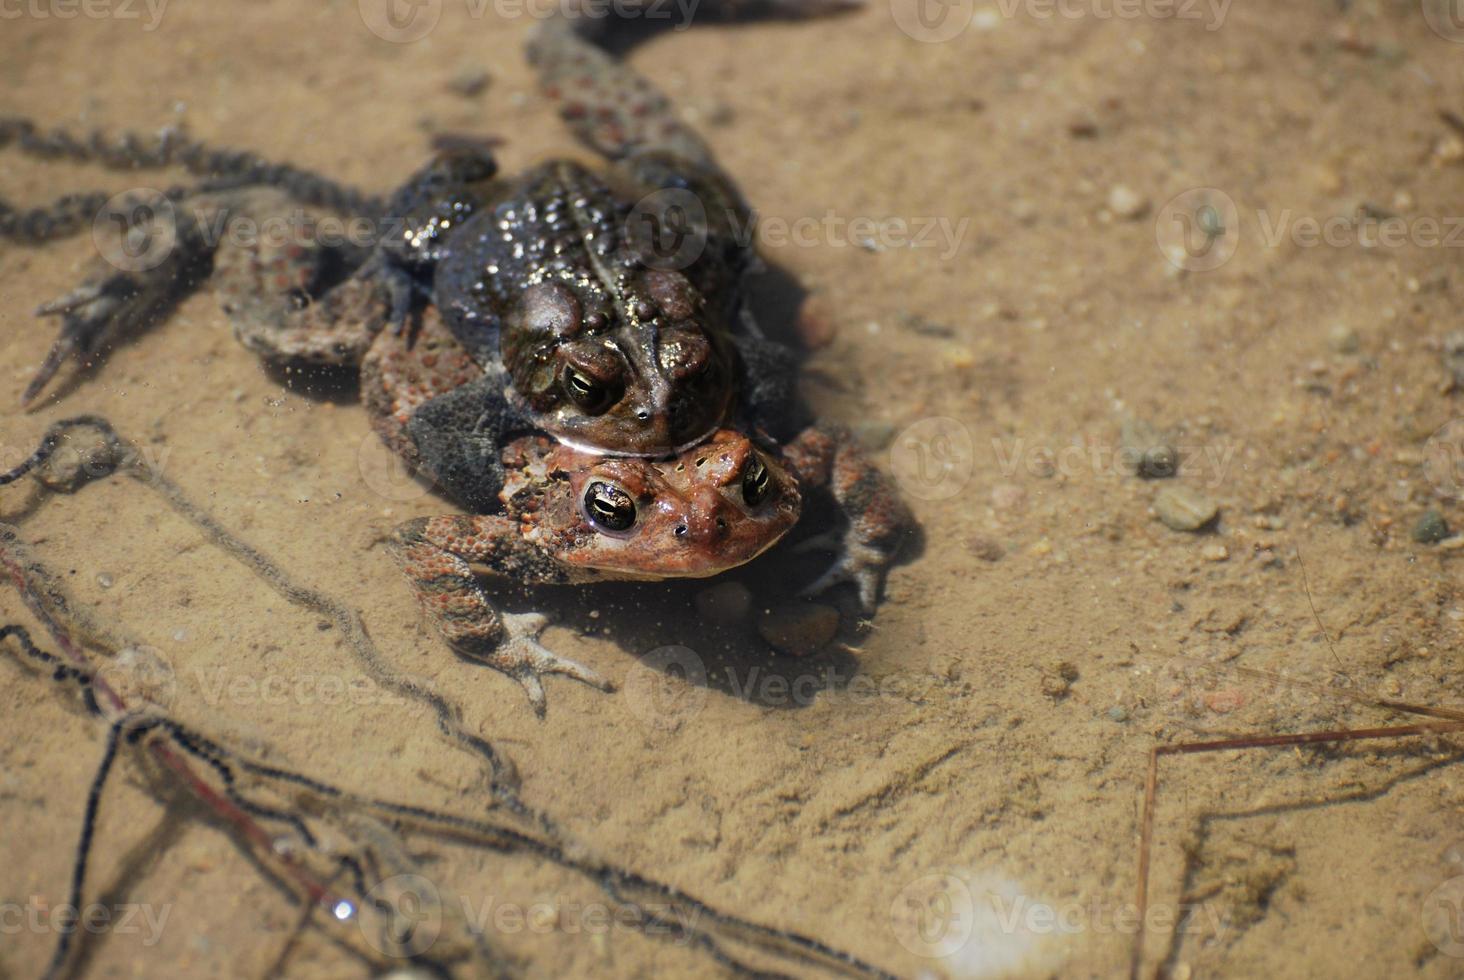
(962, 799)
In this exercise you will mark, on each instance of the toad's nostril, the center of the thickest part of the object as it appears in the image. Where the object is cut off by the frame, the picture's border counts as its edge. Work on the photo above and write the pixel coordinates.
(681, 530)
(643, 415)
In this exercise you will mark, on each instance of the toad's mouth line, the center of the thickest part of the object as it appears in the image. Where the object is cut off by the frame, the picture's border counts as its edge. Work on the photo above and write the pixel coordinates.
(644, 575)
(591, 450)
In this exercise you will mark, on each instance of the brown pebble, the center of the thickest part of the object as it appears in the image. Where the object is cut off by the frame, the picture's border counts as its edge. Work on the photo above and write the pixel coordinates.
(1183, 509)
(1083, 128)
(816, 325)
(985, 548)
(726, 603)
(799, 628)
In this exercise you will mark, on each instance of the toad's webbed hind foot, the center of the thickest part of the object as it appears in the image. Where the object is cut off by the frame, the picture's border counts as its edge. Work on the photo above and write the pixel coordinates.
(858, 563)
(279, 291)
(150, 265)
(608, 106)
(437, 554)
(879, 523)
(618, 112)
(520, 655)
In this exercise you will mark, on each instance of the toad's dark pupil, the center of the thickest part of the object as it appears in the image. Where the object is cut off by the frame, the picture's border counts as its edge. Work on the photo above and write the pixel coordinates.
(755, 483)
(609, 508)
(586, 392)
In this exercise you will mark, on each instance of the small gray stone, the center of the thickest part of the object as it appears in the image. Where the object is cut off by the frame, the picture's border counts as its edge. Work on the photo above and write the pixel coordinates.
(1454, 357)
(1343, 339)
(470, 81)
(1431, 528)
(1147, 451)
(1183, 509)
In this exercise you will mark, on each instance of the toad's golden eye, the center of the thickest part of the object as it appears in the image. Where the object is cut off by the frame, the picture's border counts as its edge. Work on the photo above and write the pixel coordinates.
(592, 396)
(609, 508)
(757, 480)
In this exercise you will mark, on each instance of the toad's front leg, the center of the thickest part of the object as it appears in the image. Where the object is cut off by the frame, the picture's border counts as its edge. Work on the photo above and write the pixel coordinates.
(436, 553)
(827, 456)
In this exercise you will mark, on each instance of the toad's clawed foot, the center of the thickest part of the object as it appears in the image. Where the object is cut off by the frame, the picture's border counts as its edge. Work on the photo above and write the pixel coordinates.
(520, 655)
(87, 315)
(858, 563)
(127, 287)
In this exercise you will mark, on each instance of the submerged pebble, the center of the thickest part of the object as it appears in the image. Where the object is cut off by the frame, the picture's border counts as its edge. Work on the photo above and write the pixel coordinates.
(1431, 528)
(1454, 357)
(986, 548)
(815, 323)
(1183, 509)
(725, 603)
(1147, 451)
(799, 628)
(1343, 339)
(470, 81)
(1127, 203)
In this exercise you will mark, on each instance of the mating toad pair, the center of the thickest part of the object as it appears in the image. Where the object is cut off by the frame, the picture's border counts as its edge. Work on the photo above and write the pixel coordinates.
(601, 413)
